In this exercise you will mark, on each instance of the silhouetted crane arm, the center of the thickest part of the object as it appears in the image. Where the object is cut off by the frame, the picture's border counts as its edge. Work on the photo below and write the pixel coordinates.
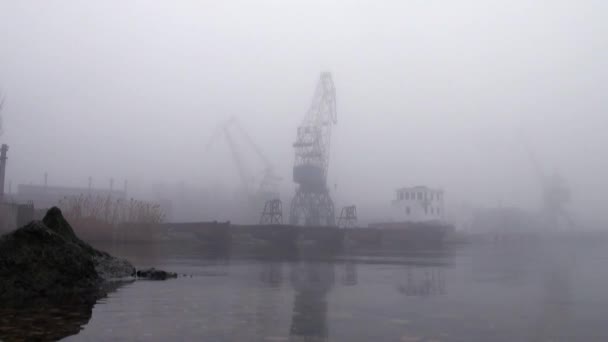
(238, 160)
(540, 172)
(253, 145)
(1, 105)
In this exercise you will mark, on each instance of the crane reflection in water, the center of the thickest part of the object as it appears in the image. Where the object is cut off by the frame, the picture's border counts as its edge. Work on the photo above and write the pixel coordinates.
(312, 283)
(423, 281)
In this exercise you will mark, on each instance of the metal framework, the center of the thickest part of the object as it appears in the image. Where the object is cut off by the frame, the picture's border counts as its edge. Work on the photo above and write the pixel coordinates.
(273, 212)
(348, 217)
(312, 205)
(555, 196)
(258, 192)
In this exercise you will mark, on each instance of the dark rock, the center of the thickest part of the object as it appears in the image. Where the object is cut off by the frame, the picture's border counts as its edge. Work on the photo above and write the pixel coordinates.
(45, 259)
(154, 274)
(107, 266)
(110, 268)
(37, 262)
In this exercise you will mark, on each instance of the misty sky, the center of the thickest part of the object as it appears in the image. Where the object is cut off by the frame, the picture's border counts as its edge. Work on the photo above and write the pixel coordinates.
(429, 92)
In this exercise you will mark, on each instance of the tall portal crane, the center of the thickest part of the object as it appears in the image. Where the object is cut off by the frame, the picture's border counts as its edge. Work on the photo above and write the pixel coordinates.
(555, 194)
(312, 205)
(1, 105)
(268, 187)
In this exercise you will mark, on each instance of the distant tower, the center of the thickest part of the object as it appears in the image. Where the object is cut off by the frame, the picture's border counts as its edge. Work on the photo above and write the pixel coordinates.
(3, 158)
(46, 180)
(111, 184)
(90, 183)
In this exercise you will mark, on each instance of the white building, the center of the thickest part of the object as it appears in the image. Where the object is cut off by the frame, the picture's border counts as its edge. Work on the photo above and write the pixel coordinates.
(418, 204)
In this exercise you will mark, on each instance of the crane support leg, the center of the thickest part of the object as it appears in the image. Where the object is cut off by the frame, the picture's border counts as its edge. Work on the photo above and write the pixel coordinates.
(312, 208)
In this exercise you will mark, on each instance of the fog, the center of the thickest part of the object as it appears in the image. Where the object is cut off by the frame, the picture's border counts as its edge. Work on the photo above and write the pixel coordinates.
(441, 93)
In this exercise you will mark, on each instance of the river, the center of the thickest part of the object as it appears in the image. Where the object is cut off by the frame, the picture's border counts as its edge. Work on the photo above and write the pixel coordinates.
(525, 291)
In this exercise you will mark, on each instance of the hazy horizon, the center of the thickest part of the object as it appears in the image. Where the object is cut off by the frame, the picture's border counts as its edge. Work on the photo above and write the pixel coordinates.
(445, 94)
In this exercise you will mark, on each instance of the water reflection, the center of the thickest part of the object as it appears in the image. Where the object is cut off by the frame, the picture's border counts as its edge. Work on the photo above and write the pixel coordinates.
(494, 294)
(43, 323)
(349, 278)
(272, 273)
(423, 281)
(46, 320)
(555, 316)
(312, 283)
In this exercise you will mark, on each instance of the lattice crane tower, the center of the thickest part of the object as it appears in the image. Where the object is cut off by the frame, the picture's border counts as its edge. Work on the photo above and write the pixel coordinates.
(312, 205)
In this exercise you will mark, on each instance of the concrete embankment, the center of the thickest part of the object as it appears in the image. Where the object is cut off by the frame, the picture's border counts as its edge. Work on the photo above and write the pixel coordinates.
(220, 235)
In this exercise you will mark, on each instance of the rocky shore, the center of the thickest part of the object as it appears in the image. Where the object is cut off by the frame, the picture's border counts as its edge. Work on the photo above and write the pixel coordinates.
(45, 260)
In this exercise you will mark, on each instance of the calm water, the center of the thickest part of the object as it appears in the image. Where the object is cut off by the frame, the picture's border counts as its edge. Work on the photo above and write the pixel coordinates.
(512, 292)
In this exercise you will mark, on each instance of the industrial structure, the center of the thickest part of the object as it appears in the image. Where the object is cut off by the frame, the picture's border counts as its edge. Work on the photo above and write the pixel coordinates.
(3, 158)
(312, 204)
(273, 213)
(45, 196)
(555, 196)
(348, 217)
(258, 192)
(418, 204)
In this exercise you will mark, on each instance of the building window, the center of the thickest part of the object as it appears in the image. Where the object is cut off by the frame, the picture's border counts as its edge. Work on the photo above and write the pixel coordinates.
(432, 195)
(407, 210)
(432, 211)
(420, 196)
(407, 195)
(437, 211)
(400, 195)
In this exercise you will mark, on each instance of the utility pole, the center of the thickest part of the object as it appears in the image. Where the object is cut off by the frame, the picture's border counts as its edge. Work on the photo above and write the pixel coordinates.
(3, 158)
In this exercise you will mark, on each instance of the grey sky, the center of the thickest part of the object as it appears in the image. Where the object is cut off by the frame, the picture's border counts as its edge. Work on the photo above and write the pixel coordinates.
(429, 92)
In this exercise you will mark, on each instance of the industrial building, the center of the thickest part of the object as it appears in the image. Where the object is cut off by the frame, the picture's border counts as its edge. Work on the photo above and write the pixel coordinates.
(418, 204)
(44, 196)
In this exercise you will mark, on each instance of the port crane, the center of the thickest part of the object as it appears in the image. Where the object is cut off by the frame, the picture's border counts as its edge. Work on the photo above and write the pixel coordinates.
(1, 105)
(268, 187)
(312, 204)
(555, 194)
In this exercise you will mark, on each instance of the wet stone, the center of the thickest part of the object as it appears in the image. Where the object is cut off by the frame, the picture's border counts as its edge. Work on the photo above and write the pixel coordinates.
(154, 274)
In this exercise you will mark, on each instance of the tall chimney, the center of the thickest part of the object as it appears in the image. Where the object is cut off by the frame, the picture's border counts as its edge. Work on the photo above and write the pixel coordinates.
(3, 158)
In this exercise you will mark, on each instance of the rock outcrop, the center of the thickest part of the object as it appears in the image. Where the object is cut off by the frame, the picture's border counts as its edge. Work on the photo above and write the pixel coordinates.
(45, 259)
(154, 274)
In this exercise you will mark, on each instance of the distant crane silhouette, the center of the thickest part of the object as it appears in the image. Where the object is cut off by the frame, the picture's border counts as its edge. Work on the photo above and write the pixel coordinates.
(1, 106)
(555, 194)
(268, 187)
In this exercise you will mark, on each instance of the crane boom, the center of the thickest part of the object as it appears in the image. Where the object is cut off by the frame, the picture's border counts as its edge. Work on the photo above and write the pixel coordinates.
(234, 133)
(238, 160)
(253, 145)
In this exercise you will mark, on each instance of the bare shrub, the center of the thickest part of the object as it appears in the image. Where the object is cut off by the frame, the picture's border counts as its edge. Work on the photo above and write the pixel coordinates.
(96, 216)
